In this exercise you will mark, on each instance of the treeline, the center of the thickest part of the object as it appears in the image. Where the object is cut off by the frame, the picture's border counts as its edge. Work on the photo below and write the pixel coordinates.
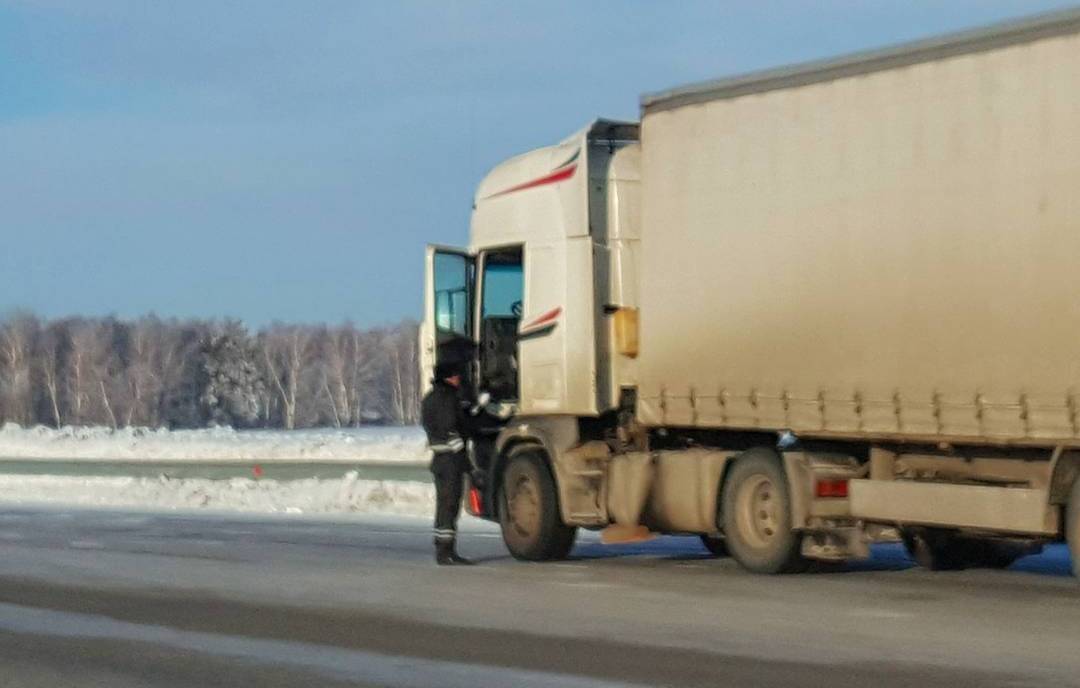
(194, 373)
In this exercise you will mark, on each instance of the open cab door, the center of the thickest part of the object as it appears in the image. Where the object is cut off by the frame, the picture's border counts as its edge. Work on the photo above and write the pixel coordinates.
(447, 333)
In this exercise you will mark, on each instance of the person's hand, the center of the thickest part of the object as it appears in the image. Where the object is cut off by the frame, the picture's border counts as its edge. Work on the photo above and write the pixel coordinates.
(503, 412)
(481, 404)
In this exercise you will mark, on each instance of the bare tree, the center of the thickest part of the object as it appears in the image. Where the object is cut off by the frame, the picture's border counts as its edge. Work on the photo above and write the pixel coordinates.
(141, 374)
(331, 377)
(17, 339)
(362, 362)
(107, 362)
(285, 352)
(78, 371)
(347, 367)
(54, 342)
(402, 349)
(93, 383)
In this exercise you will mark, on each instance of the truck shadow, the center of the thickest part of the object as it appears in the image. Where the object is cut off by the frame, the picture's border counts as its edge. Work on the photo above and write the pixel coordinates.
(1053, 561)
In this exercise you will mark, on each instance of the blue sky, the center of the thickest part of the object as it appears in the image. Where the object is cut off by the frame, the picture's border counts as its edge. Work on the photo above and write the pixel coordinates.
(289, 160)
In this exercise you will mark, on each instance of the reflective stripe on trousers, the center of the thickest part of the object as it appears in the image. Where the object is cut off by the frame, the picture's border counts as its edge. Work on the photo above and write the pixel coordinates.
(452, 445)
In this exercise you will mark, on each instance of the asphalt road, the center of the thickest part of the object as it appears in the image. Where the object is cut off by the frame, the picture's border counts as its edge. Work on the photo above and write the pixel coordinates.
(93, 598)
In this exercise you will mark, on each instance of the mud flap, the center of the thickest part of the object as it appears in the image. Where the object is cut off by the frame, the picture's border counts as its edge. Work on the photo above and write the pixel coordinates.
(617, 534)
(838, 544)
(630, 478)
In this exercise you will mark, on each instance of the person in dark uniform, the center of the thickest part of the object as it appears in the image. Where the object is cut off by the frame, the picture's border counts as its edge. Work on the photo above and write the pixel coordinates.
(446, 424)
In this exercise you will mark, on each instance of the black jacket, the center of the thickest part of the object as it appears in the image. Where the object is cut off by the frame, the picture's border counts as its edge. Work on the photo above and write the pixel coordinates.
(443, 416)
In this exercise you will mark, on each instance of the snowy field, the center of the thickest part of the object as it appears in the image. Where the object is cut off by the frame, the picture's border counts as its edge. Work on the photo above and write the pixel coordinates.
(348, 494)
(360, 445)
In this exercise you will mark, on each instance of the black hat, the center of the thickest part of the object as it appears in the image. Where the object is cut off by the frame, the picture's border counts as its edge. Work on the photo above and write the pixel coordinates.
(445, 369)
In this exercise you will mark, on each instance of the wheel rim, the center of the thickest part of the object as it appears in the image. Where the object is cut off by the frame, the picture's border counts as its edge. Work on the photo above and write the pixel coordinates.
(523, 506)
(757, 509)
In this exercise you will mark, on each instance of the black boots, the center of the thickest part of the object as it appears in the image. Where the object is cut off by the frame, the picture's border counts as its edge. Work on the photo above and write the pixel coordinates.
(446, 554)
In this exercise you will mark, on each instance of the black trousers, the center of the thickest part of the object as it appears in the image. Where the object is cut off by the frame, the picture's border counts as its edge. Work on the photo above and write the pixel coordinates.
(449, 470)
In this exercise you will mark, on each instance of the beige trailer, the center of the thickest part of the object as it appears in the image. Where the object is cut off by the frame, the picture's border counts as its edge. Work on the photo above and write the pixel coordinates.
(823, 303)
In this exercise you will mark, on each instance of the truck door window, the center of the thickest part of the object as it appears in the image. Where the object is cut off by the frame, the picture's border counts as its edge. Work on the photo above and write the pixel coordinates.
(500, 317)
(452, 296)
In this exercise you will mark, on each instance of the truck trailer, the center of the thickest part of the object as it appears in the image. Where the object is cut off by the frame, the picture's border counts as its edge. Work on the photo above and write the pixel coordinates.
(793, 312)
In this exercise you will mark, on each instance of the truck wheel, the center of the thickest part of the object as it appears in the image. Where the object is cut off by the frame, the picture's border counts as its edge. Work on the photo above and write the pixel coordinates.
(756, 511)
(532, 527)
(1072, 527)
(716, 545)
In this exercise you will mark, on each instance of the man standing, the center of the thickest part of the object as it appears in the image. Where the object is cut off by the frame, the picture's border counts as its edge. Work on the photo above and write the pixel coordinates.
(445, 424)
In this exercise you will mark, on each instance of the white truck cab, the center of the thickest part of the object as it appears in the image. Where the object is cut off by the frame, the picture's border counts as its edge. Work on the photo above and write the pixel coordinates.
(529, 302)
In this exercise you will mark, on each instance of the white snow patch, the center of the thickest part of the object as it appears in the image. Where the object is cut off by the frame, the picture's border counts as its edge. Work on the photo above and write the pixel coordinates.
(310, 496)
(378, 445)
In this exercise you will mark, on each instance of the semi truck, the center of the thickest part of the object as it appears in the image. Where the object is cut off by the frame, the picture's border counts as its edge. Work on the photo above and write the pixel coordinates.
(793, 312)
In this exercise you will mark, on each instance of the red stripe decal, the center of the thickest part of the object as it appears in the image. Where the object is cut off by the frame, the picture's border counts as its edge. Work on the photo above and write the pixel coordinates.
(544, 319)
(556, 176)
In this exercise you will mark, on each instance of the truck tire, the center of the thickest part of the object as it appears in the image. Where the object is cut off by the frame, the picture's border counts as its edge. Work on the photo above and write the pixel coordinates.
(756, 513)
(1072, 527)
(532, 526)
(717, 546)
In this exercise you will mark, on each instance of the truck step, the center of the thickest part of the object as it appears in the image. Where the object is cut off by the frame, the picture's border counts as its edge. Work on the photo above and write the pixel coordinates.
(592, 516)
(589, 473)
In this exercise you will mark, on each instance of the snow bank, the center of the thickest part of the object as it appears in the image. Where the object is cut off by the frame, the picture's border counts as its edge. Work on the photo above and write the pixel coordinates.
(312, 496)
(214, 444)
